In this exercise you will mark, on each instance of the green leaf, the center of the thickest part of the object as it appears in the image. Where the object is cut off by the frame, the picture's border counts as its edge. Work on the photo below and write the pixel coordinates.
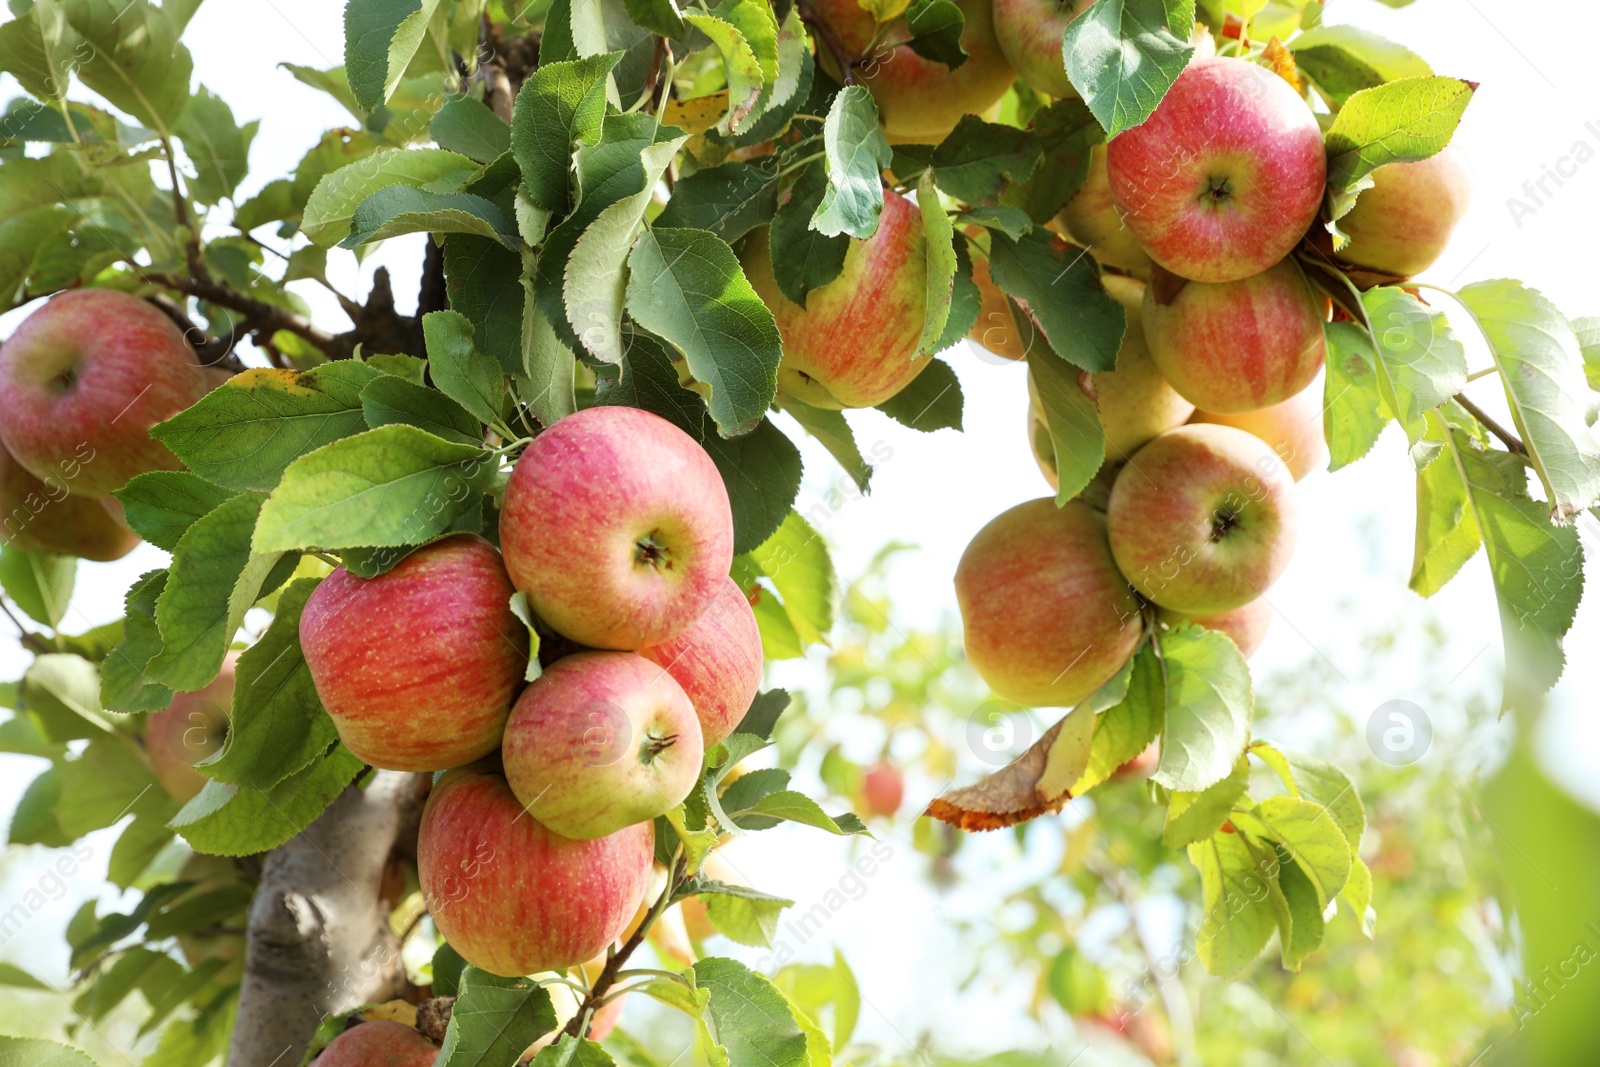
(1072, 420)
(19, 735)
(402, 209)
(1400, 122)
(831, 428)
(1587, 331)
(384, 488)
(245, 433)
(134, 58)
(978, 158)
(61, 694)
(559, 103)
(1447, 530)
(932, 401)
(39, 49)
(227, 820)
(495, 1019)
(1309, 835)
(331, 81)
(788, 805)
(388, 400)
(1322, 783)
(795, 559)
(1123, 55)
(1343, 60)
(1059, 289)
(40, 585)
(103, 784)
(761, 470)
(856, 153)
(687, 287)
(465, 375)
(380, 37)
(36, 1052)
(34, 821)
(14, 977)
(138, 845)
(728, 200)
(1352, 401)
(332, 204)
(941, 265)
(789, 92)
(936, 27)
(748, 1021)
(1126, 729)
(965, 300)
(1209, 703)
(484, 280)
(409, 368)
(660, 17)
(1238, 921)
(162, 505)
(467, 126)
(745, 74)
(1306, 926)
(803, 259)
(1420, 363)
(123, 686)
(744, 915)
(1193, 817)
(1541, 364)
(216, 144)
(571, 1052)
(1066, 132)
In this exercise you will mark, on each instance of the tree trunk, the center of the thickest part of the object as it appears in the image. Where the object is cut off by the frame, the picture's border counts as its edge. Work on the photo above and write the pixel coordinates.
(319, 938)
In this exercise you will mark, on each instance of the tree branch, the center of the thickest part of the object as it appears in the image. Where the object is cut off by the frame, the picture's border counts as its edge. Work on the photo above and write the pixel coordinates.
(262, 320)
(1507, 438)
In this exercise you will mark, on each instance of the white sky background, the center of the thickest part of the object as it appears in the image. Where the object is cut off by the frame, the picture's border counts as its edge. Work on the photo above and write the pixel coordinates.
(1535, 65)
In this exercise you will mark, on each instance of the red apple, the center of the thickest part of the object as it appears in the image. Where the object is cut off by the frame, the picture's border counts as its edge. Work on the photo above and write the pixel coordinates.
(378, 1044)
(1231, 347)
(83, 379)
(510, 895)
(1029, 32)
(854, 344)
(1245, 626)
(1202, 519)
(1224, 177)
(996, 328)
(921, 99)
(717, 661)
(599, 741)
(1292, 427)
(1091, 218)
(418, 666)
(1047, 617)
(42, 516)
(1402, 224)
(190, 729)
(882, 790)
(617, 526)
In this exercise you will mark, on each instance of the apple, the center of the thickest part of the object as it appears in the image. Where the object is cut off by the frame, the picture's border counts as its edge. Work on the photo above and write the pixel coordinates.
(996, 328)
(882, 790)
(83, 379)
(1029, 32)
(190, 729)
(1223, 179)
(920, 99)
(382, 1043)
(418, 666)
(854, 344)
(1292, 427)
(1202, 519)
(512, 896)
(1135, 401)
(1091, 218)
(1402, 224)
(600, 741)
(1232, 347)
(617, 526)
(42, 516)
(717, 661)
(1047, 617)
(1245, 626)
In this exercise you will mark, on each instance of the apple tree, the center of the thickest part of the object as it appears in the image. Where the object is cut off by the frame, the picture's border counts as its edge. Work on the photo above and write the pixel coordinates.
(413, 764)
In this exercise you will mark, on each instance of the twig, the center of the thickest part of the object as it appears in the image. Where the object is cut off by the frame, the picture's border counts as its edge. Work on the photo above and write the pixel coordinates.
(180, 204)
(830, 40)
(261, 319)
(1507, 438)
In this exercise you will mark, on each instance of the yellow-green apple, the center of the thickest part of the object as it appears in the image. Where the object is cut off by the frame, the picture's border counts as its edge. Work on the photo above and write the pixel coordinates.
(617, 526)
(418, 666)
(1029, 32)
(1135, 401)
(382, 1043)
(920, 99)
(512, 896)
(1231, 347)
(83, 379)
(1047, 617)
(1402, 224)
(882, 790)
(1221, 181)
(717, 661)
(1245, 626)
(1292, 427)
(41, 516)
(1091, 218)
(854, 344)
(996, 328)
(189, 730)
(599, 741)
(1044, 454)
(1202, 519)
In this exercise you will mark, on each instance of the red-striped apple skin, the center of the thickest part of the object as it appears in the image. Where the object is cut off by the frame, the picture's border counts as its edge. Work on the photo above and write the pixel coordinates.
(82, 380)
(44, 516)
(381, 1043)
(1403, 224)
(717, 661)
(418, 667)
(1293, 428)
(1246, 627)
(512, 896)
(188, 730)
(1225, 176)
(617, 526)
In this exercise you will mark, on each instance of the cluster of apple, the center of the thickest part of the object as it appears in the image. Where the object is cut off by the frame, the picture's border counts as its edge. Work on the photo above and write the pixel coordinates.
(1213, 409)
(616, 527)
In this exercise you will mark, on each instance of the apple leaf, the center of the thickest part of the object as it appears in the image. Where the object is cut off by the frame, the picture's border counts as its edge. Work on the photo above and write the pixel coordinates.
(1131, 710)
(1447, 528)
(661, 17)
(1306, 927)
(1343, 60)
(34, 821)
(569, 1051)
(388, 400)
(1310, 836)
(216, 144)
(1066, 131)
(747, 1020)
(1035, 783)
(791, 806)
(979, 158)
(1588, 334)
(229, 820)
(467, 126)
(831, 428)
(788, 93)
(1209, 704)
(857, 153)
(1401, 121)
(547, 381)
(123, 686)
(1123, 55)
(495, 1019)
(933, 400)
(1541, 363)
(1237, 918)
(1059, 289)
(803, 259)
(1194, 817)
(728, 200)
(1322, 783)
(39, 584)
(1352, 402)
(560, 103)
(939, 236)
(332, 206)
(106, 781)
(37, 1052)
(1071, 419)
(764, 712)
(133, 58)
(37, 48)
(744, 70)
(795, 559)
(380, 37)
(936, 27)
(484, 280)
(401, 209)
(462, 373)
(747, 916)
(1420, 363)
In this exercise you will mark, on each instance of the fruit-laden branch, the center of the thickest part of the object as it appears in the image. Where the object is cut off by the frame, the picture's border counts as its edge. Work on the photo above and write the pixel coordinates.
(830, 40)
(319, 941)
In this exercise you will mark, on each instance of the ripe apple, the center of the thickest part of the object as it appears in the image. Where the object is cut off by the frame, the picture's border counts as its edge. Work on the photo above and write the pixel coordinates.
(1402, 224)
(514, 897)
(190, 729)
(83, 379)
(1091, 218)
(599, 741)
(381, 1043)
(617, 526)
(1047, 617)
(882, 790)
(1224, 177)
(996, 328)
(1202, 519)
(42, 516)
(1135, 401)
(1292, 427)
(854, 344)
(1245, 626)
(418, 666)
(921, 99)
(1029, 32)
(1231, 347)
(717, 661)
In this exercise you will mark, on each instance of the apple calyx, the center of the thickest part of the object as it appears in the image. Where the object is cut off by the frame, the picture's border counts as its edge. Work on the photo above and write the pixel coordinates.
(1223, 522)
(654, 747)
(651, 553)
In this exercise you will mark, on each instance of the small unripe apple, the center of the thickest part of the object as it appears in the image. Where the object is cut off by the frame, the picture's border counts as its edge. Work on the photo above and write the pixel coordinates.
(382, 1043)
(882, 790)
(1245, 626)
(1292, 427)
(42, 516)
(717, 661)
(1403, 223)
(1092, 218)
(192, 728)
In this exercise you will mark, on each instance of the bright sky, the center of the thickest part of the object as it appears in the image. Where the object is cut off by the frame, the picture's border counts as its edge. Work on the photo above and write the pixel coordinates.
(1534, 114)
